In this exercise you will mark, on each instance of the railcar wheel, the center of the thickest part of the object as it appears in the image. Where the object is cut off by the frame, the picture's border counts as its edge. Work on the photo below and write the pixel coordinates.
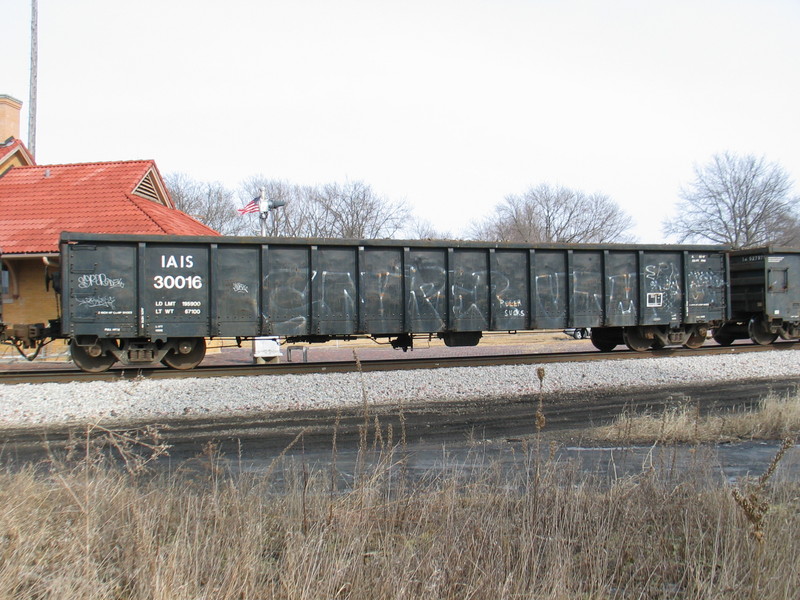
(90, 358)
(191, 351)
(722, 338)
(635, 339)
(695, 340)
(603, 345)
(602, 342)
(578, 335)
(759, 331)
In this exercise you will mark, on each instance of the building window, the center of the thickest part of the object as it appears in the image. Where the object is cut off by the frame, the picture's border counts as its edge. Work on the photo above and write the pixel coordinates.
(5, 280)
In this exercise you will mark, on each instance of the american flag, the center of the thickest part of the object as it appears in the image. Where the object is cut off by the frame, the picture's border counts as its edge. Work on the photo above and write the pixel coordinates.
(251, 207)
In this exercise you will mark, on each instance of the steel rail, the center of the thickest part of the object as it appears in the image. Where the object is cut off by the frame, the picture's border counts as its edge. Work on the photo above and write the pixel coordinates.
(67, 374)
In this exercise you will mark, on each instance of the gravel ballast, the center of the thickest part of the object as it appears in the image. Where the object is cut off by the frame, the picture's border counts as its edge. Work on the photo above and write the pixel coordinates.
(145, 400)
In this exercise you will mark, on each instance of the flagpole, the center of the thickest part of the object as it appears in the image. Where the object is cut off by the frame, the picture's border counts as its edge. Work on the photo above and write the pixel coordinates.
(263, 207)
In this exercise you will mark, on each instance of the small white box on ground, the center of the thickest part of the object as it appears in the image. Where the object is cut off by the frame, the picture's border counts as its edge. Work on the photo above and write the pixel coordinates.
(266, 349)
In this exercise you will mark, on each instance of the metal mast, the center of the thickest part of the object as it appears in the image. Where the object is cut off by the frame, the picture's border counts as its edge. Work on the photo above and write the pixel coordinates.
(34, 66)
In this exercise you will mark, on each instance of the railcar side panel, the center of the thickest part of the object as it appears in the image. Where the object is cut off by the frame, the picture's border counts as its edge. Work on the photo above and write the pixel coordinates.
(661, 292)
(236, 290)
(551, 294)
(783, 286)
(510, 290)
(287, 286)
(586, 296)
(622, 288)
(706, 287)
(427, 296)
(381, 287)
(102, 290)
(175, 290)
(334, 297)
(469, 290)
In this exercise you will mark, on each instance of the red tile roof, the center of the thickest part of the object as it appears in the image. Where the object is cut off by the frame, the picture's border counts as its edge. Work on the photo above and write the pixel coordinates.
(38, 203)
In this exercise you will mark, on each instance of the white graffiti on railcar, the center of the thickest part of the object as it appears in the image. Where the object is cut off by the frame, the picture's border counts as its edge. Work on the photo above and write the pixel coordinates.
(97, 301)
(99, 280)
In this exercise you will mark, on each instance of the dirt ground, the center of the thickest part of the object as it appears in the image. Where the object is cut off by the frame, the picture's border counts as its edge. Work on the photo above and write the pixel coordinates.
(457, 423)
(366, 349)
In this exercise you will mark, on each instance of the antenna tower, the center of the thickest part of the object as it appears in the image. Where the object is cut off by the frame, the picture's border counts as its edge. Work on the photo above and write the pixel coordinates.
(34, 68)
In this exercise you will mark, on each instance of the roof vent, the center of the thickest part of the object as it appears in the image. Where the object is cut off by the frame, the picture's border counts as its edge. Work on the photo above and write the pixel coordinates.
(147, 189)
(47, 172)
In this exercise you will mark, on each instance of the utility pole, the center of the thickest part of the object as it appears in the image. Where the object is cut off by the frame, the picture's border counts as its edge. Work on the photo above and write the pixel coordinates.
(34, 68)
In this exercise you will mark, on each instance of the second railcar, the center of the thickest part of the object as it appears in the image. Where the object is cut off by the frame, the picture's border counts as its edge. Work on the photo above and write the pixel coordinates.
(765, 296)
(147, 298)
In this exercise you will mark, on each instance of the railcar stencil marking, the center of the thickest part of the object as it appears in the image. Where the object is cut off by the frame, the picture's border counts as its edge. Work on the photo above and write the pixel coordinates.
(177, 282)
(177, 262)
(655, 299)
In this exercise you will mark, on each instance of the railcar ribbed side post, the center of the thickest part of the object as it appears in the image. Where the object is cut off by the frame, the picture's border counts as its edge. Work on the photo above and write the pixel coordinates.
(313, 289)
(685, 285)
(141, 288)
(66, 262)
(491, 317)
(264, 321)
(532, 289)
(642, 291)
(728, 292)
(360, 316)
(604, 287)
(213, 300)
(449, 296)
(405, 267)
(570, 304)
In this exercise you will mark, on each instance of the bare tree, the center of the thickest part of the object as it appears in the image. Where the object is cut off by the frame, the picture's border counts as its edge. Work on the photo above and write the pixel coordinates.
(421, 229)
(354, 210)
(210, 203)
(349, 210)
(555, 214)
(741, 201)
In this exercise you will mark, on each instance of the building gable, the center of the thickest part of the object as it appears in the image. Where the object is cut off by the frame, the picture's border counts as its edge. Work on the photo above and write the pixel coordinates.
(13, 153)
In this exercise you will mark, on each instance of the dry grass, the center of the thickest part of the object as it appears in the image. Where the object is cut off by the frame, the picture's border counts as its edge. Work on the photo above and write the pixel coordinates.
(87, 529)
(775, 418)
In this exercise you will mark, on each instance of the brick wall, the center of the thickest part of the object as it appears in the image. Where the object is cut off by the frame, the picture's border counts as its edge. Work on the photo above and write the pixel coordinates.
(32, 304)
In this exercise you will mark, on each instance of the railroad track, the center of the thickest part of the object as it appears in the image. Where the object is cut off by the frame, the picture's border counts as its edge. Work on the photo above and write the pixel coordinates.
(66, 375)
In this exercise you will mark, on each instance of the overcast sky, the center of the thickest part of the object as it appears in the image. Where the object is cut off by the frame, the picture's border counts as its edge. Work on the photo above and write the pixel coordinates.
(450, 105)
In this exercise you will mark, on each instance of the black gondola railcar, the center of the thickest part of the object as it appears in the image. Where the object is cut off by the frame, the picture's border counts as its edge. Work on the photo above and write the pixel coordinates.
(140, 299)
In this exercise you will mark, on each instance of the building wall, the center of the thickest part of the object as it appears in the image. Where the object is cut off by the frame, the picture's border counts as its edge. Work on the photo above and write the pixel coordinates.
(9, 117)
(29, 301)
